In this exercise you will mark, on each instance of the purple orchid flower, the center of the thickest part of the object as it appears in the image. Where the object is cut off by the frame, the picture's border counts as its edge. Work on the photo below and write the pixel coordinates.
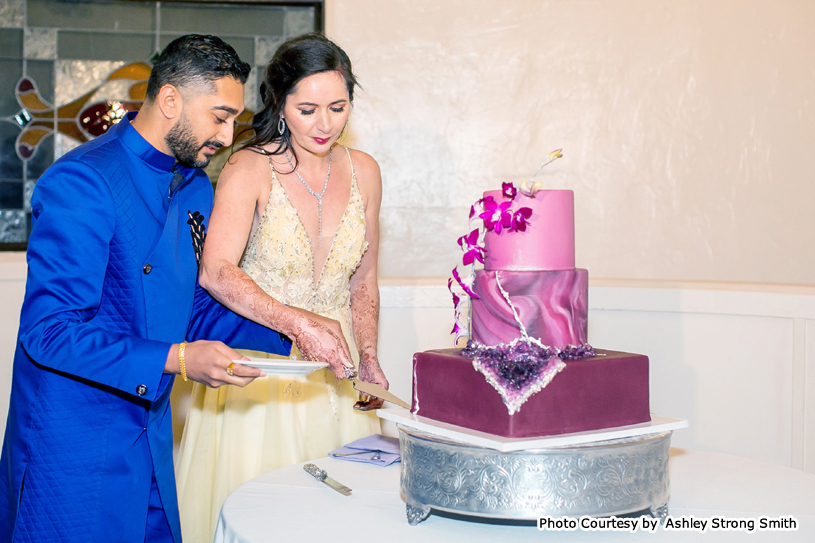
(456, 297)
(472, 250)
(482, 202)
(461, 283)
(496, 217)
(458, 327)
(468, 241)
(458, 330)
(509, 190)
(520, 219)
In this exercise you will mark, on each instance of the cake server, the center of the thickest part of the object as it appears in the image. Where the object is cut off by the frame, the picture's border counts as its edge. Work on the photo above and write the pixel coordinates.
(322, 476)
(375, 390)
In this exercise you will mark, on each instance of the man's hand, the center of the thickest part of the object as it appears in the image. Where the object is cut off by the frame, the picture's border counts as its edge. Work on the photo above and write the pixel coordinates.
(207, 362)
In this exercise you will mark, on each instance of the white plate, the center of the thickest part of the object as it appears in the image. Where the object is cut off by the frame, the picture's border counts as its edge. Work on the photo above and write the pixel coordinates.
(273, 366)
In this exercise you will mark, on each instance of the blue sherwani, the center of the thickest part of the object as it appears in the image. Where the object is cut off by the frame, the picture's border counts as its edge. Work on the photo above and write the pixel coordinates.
(112, 283)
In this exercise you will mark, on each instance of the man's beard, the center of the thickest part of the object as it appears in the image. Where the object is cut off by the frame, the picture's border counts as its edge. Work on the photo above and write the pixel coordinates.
(184, 146)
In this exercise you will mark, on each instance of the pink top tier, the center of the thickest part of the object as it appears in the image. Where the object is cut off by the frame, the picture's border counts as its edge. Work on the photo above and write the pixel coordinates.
(547, 243)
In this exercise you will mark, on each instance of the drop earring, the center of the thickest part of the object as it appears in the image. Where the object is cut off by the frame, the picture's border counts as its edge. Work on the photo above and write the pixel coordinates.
(281, 126)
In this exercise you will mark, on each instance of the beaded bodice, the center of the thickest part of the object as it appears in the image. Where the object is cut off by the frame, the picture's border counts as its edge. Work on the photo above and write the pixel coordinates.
(280, 256)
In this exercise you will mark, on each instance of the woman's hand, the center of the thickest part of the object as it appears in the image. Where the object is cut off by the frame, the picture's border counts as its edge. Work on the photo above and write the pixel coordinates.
(371, 372)
(320, 339)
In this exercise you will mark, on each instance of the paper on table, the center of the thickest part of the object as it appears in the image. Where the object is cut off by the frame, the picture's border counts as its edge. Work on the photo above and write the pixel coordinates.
(388, 448)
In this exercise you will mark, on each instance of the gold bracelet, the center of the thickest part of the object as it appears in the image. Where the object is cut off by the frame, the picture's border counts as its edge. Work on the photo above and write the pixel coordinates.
(182, 360)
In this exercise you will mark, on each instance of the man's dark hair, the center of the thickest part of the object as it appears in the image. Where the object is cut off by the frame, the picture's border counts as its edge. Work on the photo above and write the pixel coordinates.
(195, 60)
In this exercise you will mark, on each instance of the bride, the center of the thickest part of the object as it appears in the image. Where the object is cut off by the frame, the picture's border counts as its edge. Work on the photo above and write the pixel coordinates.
(304, 213)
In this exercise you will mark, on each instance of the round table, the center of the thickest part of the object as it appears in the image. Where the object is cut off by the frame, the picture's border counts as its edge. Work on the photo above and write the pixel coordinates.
(289, 505)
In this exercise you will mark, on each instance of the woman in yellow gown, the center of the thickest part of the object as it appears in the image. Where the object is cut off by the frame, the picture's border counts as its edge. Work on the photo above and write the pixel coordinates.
(309, 210)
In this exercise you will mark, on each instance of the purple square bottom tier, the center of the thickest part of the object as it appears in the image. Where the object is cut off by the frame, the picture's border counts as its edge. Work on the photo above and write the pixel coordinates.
(605, 391)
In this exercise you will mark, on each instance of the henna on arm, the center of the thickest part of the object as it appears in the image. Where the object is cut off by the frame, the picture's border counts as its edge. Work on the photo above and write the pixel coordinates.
(365, 315)
(235, 289)
(240, 293)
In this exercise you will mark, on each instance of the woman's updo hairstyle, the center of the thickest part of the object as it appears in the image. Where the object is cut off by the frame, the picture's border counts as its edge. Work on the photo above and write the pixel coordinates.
(293, 61)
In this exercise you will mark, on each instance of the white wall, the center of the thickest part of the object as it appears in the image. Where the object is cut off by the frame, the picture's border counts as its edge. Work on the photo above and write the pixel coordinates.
(687, 127)
(12, 291)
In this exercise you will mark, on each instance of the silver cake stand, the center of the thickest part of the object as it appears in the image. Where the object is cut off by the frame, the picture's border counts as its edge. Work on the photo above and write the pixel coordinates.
(600, 478)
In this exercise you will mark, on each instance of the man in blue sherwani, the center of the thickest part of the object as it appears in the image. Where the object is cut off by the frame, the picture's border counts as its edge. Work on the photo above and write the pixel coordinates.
(111, 301)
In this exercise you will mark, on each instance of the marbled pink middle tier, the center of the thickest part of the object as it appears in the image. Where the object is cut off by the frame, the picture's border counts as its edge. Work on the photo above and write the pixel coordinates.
(552, 305)
(547, 243)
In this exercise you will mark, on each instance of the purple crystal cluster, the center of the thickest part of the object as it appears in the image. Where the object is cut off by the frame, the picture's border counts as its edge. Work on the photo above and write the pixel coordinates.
(515, 365)
(519, 369)
(574, 352)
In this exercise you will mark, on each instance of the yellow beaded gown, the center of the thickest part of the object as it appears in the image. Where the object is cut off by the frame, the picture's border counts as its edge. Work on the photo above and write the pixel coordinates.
(233, 434)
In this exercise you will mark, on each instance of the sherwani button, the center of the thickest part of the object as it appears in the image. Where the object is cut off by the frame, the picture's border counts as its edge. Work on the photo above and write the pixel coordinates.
(147, 268)
(141, 390)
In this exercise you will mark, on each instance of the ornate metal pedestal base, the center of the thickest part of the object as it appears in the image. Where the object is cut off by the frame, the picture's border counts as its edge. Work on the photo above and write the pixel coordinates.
(600, 479)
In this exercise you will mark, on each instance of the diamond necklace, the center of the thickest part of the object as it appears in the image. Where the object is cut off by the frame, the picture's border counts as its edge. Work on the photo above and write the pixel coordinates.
(318, 196)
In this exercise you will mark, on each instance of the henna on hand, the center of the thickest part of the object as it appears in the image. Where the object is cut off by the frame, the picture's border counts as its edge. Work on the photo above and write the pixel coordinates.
(370, 372)
(311, 347)
(315, 340)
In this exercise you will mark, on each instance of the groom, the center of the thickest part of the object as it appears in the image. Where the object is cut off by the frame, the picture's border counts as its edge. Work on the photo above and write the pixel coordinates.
(111, 296)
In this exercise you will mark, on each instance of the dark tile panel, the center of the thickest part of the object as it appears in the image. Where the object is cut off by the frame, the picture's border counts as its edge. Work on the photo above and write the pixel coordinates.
(11, 167)
(300, 21)
(43, 158)
(239, 20)
(139, 16)
(11, 194)
(104, 45)
(10, 73)
(11, 43)
(42, 72)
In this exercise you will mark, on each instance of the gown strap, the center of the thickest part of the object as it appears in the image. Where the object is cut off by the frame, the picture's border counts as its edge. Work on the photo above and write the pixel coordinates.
(351, 162)
(269, 158)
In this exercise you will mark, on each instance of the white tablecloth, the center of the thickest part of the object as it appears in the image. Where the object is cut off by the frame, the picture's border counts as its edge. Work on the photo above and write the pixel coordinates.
(289, 505)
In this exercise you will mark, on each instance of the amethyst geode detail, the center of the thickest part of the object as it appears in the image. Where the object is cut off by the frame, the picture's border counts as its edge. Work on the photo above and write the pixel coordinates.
(573, 352)
(519, 369)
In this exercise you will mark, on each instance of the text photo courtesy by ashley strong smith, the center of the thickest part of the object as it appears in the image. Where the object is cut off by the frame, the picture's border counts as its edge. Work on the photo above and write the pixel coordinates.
(684, 523)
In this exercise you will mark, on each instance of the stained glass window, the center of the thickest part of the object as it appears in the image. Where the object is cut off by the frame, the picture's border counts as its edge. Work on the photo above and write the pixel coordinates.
(70, 70)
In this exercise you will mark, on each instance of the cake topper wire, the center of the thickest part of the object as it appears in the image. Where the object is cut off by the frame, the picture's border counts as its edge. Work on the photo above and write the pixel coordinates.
(551, 157)
(469, 310)
(505, 294)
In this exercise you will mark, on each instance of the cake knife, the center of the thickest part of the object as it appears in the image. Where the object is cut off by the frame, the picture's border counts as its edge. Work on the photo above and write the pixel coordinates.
(322, 476)
(373, 389)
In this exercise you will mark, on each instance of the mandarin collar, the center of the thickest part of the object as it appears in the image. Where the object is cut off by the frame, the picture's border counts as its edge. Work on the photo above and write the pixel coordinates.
(140, 146)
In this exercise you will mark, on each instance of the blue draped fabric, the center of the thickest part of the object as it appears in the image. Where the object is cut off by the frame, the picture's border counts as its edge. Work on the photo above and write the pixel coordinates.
(112, 284)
